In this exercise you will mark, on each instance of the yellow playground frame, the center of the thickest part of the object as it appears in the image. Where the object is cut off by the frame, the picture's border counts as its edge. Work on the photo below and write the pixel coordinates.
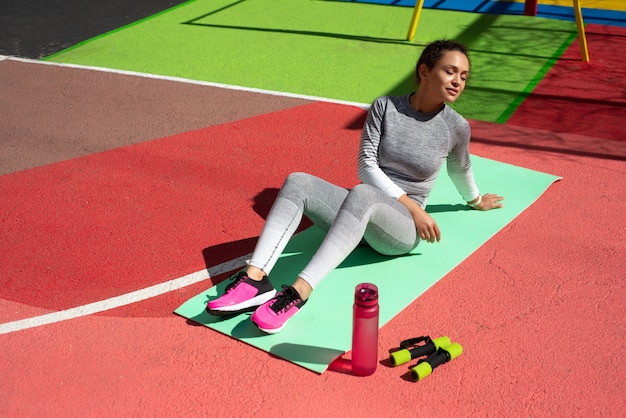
(531, 9)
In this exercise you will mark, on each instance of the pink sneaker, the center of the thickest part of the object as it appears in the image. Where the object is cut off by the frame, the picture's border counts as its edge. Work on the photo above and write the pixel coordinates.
(242, 295)
(272, 316)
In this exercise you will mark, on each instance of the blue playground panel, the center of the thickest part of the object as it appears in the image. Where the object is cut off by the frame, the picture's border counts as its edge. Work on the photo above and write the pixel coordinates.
(598, 16)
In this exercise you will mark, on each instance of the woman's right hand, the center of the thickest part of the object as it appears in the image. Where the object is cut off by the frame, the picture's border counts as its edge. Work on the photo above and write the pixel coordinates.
(425, 225)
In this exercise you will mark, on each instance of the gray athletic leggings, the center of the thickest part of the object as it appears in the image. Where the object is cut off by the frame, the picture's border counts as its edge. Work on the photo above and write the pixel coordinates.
(348, 216)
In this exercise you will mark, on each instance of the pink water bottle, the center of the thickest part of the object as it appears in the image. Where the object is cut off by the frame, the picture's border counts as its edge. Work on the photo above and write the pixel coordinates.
(365, 330)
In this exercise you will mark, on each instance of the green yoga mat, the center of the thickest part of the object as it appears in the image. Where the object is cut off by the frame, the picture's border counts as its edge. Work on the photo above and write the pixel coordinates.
(331, 49)
(322, 329)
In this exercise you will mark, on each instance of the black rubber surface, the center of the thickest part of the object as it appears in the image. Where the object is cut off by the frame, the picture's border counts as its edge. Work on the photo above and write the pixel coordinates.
(38, 28)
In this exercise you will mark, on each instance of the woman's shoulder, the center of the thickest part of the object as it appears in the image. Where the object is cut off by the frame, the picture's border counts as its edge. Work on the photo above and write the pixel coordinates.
(393, 103)
(452, 115)
(395, 100)
(456, 122)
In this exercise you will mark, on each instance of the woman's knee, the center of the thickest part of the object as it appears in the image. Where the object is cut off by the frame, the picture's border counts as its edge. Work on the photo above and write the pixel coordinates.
(298, 180)
(295, 183)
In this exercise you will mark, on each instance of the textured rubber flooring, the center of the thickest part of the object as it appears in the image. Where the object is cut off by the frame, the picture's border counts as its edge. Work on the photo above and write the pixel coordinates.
(538, 308)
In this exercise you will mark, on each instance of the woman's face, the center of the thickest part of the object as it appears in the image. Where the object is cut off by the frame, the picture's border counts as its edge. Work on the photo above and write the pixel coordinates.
(446, 81)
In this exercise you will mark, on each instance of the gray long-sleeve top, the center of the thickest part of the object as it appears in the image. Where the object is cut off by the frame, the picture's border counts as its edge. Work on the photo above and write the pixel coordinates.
(402, 150)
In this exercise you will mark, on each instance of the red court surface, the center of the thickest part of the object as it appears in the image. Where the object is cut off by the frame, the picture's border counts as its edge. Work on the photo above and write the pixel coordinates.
(163, 198)
(539, 308)
(583, 98)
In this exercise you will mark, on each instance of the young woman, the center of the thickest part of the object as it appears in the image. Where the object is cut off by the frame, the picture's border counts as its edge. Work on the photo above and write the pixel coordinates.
(404, 144)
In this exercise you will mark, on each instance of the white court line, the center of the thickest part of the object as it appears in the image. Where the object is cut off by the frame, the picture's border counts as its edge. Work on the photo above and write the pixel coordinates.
(191, 81)
(171, 285)
(125, 299)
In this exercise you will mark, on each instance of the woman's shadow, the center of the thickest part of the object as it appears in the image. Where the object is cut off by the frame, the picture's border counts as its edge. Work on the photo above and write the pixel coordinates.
(221, 253)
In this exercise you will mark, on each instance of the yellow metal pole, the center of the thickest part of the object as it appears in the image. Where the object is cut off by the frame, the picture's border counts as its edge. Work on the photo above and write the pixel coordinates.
(582, 38)
(415, 19)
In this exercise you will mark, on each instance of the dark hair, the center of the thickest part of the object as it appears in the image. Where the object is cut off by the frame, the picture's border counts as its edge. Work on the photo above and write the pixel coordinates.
(433, 52)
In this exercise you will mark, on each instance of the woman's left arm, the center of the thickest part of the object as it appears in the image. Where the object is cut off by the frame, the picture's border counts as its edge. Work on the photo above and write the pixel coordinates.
(459, 169)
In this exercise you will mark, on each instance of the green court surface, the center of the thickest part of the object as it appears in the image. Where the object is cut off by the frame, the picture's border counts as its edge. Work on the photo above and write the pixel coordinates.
(335, 50)
(322, 330)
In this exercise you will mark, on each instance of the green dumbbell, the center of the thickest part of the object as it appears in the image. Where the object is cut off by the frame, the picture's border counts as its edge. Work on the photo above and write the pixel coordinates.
(411, 349)
(425, 367)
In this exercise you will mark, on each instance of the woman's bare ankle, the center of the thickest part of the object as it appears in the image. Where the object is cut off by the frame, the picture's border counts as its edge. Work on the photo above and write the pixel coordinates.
(303, 287)
(255, 273)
